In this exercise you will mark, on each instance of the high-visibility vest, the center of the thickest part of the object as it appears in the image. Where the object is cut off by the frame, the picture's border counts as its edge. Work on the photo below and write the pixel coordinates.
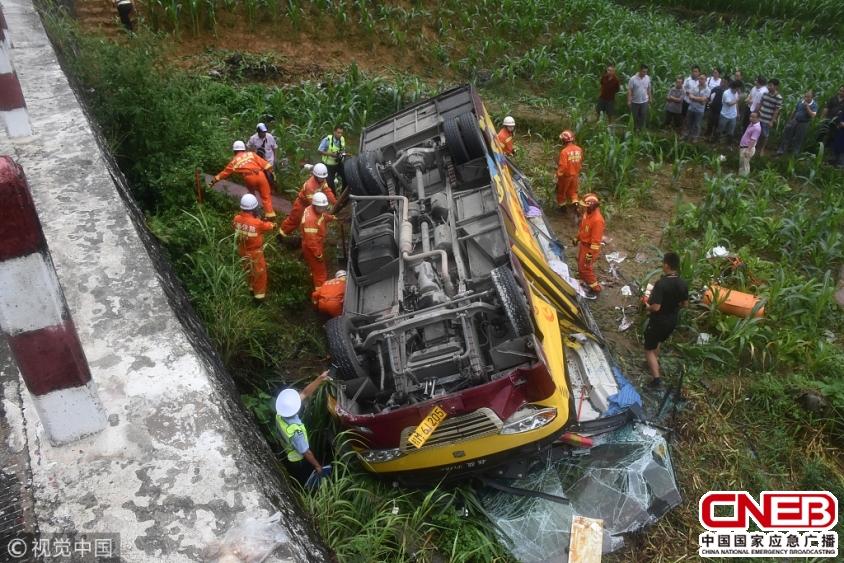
(330, 160)
(287, 431)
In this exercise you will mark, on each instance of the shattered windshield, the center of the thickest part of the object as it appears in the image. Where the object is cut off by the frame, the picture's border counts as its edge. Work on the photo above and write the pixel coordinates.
(626, 480)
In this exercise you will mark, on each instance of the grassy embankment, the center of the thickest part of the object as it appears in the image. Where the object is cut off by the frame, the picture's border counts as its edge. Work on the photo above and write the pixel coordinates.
(537, 59)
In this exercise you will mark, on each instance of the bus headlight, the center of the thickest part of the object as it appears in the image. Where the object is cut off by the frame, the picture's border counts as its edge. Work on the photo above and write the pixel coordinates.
(527, 419)
(380, 456)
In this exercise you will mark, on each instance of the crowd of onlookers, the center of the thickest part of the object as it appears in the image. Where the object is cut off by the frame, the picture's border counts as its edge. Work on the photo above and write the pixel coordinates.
(722, 110)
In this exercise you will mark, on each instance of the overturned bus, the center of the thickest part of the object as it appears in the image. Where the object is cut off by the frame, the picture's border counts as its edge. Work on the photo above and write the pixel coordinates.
(462, 349)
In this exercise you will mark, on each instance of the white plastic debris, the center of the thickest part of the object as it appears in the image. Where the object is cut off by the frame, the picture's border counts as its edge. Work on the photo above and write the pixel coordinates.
(617, 257)
(640, 258)
(702, 339)
(250, 541)
(718, 252)
(626, 291)
(722, 158)
(625, 322)
(562, 270)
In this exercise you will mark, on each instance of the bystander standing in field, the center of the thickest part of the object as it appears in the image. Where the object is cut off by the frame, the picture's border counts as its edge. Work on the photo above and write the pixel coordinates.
(689, 83)
(674, 106)
(829, 116)
(729, 110)
(506, 136)
(769, 109)
(753, 98)
(798, 124)
(698, 96)
(669, 294)
(610, 86)
(715, 80)
(748, 144)
(838, 142)
(639, 97)
(713, 108)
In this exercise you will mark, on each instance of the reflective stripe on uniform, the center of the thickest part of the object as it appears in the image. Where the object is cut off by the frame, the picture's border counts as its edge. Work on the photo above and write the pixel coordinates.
(330, 160)
(311, 230)
(287, 431)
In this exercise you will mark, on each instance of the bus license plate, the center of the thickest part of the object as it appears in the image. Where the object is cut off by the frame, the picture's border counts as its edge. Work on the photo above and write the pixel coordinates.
(427, 427)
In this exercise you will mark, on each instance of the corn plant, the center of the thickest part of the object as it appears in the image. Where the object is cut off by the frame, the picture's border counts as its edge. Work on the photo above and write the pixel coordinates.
(211, 14)
(251, 7)
(194, 11)
(150, 11)
(294, 13)
(230, 5)
(172, 10)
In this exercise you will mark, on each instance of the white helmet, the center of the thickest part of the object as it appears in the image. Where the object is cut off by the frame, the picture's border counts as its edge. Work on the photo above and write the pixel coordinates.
(288, 403)
(340, 274)
(248, 202)
(320, 200)
(320, 171)
(509, 122)
(238, 146)
(261, 127)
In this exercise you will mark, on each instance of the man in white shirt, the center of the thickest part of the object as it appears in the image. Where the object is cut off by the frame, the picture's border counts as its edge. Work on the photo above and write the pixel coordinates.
(753, 99)
(729, 110)
(689, 83)
(264, 144)
(639, 97)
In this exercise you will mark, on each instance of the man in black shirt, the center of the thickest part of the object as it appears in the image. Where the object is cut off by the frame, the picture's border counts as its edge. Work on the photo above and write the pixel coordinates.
(829, 117)
(669, 295)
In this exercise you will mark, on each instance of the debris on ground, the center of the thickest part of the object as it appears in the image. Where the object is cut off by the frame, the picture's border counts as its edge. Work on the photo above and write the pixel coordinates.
(249, 541)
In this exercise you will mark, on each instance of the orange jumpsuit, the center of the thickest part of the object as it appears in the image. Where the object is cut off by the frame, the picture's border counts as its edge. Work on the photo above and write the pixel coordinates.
(506, 140)
(328, 299)
(251, 167)
(313, 229)
(590, 235)
(303, 200)
(249, 230)
(568, 170)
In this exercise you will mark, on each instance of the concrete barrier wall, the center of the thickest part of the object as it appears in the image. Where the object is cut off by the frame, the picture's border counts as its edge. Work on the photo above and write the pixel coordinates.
(180, 460)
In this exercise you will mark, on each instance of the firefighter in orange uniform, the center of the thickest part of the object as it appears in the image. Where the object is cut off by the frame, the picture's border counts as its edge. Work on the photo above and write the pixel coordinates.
(254, 170)
(316, 183)
(328, 299)
(506, 135)
(568, 170)
(313, 229)
(589, 238)
(249, 230)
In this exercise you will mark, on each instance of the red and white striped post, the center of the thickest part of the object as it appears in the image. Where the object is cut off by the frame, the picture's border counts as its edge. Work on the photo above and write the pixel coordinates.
(12, 105)
(36, 321)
